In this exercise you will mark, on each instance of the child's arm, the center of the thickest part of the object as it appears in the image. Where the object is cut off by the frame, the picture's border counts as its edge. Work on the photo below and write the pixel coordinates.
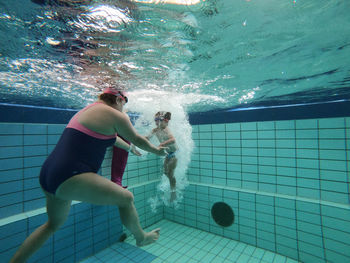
(170, 140)
(149, 136)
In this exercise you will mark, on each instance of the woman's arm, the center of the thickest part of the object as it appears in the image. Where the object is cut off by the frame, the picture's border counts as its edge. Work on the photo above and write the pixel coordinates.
(124, 127)
(167, 142)
(120, 143)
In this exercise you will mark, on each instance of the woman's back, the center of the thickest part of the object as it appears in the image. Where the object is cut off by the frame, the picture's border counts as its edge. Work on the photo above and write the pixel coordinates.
(97, 117)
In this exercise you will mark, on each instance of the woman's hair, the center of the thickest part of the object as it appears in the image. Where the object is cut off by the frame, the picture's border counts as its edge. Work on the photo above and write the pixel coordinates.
(110, 99)
(165, 115)
(113, 94)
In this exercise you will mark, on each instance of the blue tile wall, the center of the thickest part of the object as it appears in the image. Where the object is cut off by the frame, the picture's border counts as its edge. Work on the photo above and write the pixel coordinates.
(78, 238)
(287, 182)
(306, 158)
(89, 229)
(23, 149)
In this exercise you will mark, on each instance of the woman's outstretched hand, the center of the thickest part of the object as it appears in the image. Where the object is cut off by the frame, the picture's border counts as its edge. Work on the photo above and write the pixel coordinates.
(135, 151)
(161, 150)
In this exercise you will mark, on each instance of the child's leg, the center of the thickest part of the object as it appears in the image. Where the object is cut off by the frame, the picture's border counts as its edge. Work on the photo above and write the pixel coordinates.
(169, 169)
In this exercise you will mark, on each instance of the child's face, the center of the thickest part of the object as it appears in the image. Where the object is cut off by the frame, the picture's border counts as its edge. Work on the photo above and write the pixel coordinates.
(160, 121)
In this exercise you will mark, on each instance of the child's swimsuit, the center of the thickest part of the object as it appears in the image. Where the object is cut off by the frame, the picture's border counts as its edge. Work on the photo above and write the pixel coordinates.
(79, 150)
(170, 155)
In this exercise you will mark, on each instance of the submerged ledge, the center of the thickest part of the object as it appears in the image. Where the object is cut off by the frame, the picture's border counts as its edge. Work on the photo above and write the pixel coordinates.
(290, 197)
(28, 214)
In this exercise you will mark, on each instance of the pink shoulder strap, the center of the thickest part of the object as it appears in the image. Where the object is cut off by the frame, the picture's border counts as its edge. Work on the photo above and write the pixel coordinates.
(75, 124)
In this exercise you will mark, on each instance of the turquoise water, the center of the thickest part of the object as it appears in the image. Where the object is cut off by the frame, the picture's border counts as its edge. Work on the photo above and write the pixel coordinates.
(216, 54)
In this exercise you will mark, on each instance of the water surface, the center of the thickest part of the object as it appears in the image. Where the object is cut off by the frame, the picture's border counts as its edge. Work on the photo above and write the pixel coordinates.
(212, 55)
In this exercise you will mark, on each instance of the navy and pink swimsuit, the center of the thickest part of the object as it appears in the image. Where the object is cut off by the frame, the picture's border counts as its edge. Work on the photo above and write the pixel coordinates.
(79, 150)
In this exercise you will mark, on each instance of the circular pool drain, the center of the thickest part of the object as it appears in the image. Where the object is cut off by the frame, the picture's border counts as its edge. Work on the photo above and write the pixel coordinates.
(222, 214)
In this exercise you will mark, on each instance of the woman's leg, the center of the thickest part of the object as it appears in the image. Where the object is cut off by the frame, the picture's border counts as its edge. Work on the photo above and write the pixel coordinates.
(57, 212)
(95, 189)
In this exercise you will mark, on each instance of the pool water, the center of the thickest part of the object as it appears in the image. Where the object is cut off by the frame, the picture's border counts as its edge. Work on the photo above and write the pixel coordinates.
(217, 54)
(259, 94)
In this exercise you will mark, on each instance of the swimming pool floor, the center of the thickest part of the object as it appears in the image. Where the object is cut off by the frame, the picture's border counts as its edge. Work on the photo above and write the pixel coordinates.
(180, 243)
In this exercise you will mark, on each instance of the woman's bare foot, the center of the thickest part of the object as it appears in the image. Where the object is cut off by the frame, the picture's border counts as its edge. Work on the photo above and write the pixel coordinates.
(150, 237)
